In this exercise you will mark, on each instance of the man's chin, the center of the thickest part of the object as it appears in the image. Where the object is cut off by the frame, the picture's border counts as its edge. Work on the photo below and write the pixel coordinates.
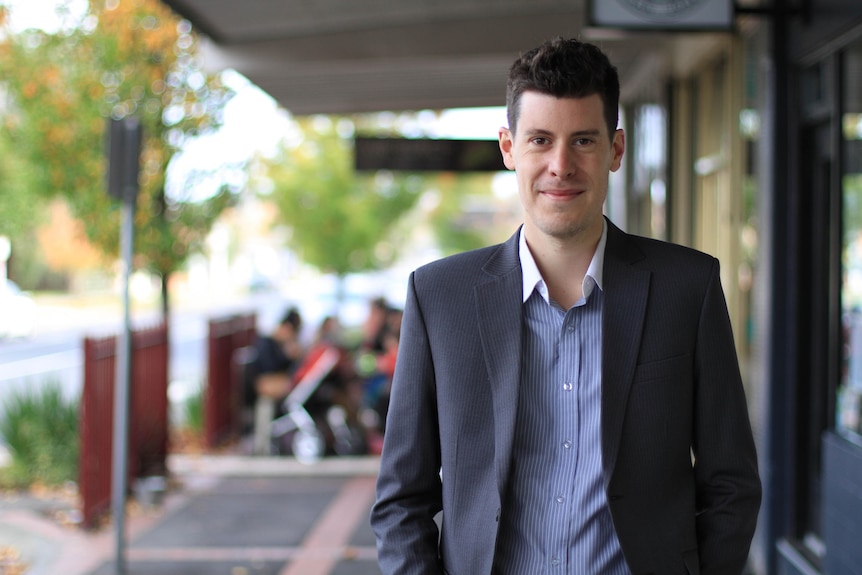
(565, 231)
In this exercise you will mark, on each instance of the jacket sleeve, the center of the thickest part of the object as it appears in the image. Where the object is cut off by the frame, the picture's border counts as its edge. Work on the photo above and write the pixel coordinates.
(727, 481)
(408, 485)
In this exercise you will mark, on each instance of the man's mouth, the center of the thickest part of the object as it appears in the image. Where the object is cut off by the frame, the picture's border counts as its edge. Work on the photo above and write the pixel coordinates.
(562, 193)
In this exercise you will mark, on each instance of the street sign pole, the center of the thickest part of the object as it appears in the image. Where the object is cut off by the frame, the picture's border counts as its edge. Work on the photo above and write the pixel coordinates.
(120, 470)
(124, 153)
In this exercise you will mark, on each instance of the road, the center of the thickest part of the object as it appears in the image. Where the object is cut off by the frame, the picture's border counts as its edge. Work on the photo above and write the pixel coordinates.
(54, 354)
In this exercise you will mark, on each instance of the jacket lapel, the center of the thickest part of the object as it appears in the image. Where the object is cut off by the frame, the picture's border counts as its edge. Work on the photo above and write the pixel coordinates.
(625, 299)
(500, 323)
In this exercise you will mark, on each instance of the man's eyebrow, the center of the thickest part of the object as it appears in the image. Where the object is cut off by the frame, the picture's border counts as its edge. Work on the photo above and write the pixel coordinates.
(576, 134)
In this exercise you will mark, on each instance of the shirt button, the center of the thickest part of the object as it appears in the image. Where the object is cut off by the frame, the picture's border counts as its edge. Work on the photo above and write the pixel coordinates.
(570, 328)
(555, 561)
(568, 386)
(567, 444)
(560, 499)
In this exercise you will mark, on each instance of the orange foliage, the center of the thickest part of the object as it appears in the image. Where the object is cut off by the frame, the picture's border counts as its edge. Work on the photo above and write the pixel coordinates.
(30, 89)
(63, 241)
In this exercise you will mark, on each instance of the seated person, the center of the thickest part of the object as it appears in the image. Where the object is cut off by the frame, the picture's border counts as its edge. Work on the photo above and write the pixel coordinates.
(269, 377)
(278, 355)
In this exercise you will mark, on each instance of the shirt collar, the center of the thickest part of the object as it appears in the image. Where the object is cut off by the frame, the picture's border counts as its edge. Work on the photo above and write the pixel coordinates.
(533, 278)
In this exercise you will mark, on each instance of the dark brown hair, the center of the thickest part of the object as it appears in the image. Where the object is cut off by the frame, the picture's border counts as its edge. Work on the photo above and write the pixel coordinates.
(564, 69)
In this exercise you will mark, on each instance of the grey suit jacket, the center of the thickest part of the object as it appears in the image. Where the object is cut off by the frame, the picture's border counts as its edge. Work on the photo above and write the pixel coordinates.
(671, 394)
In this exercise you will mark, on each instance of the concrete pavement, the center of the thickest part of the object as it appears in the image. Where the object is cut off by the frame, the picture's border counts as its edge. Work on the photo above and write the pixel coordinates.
(222, 515)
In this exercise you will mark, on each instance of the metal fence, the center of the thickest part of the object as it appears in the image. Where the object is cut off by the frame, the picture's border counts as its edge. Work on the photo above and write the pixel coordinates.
(223, 392)
(148, 425)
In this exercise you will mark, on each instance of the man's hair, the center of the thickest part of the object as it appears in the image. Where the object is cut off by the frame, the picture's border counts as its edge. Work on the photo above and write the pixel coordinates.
(293, 318)
(564, 68)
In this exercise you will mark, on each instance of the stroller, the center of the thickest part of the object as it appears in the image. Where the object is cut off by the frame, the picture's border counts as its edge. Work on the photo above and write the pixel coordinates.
(317, 418)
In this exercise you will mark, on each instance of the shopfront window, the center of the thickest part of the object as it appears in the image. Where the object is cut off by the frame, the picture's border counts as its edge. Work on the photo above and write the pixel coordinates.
(849, 401)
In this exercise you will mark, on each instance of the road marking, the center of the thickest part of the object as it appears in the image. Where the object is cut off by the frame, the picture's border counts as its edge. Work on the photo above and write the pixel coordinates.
(41, 364)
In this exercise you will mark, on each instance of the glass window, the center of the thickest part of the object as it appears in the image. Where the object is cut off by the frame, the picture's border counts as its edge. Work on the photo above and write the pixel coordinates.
(849, 401)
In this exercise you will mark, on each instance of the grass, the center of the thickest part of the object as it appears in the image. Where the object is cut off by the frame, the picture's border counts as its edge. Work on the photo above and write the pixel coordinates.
(187, 435)
(193, 411)
(40, 429)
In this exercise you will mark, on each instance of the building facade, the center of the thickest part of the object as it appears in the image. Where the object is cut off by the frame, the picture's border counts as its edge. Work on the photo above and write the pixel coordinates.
(762, 167)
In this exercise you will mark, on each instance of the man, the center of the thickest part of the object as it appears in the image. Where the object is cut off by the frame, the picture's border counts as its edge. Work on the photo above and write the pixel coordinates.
(571, 399)
(269, 376)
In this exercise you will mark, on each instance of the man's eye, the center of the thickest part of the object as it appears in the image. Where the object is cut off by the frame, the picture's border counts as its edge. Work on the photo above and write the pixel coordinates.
(540, 141)
(583, 142)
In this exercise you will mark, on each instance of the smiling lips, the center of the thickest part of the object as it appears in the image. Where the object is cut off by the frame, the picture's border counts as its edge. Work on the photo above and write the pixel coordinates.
(562, 193)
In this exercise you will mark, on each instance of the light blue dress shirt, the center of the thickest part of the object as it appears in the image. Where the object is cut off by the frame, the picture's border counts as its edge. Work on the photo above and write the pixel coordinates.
(555, 517)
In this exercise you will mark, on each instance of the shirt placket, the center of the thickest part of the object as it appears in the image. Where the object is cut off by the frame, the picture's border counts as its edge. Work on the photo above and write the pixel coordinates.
(566, 439)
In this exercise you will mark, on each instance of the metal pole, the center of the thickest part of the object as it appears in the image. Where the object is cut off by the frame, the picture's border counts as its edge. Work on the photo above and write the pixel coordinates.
(120, 470)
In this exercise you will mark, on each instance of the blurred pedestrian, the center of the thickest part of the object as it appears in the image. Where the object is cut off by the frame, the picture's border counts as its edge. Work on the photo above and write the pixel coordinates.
(374, 326)
(276, 357)
(329, 331)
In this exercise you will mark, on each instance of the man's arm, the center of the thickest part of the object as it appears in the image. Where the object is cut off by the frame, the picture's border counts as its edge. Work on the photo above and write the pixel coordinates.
(408, 485)
(728, 484)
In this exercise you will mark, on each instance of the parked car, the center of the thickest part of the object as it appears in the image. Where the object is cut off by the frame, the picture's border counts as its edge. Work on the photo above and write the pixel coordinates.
(17, 311)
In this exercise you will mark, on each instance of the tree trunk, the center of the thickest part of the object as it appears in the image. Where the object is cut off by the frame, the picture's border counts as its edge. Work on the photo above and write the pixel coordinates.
(340, 294)
(166, 306)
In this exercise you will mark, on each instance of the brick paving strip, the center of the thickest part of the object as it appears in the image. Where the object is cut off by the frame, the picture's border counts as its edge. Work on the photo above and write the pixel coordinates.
(334, 529)
(324, 546)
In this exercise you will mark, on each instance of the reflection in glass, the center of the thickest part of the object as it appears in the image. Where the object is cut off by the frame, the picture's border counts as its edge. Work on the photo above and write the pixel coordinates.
(849, 400)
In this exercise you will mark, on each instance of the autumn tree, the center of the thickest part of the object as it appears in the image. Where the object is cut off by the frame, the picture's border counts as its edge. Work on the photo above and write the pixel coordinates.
(19, 206)
(341, 221)
(123, 58)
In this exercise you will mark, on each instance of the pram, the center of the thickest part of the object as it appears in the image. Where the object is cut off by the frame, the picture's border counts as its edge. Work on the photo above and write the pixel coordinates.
(313, 423)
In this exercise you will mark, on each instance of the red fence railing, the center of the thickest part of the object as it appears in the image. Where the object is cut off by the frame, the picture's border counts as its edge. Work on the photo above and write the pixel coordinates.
(149, 401)
(223, 393)
(148, 414)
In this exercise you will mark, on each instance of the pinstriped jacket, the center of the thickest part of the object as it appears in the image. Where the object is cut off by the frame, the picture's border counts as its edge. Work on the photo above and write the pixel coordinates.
(679, 462)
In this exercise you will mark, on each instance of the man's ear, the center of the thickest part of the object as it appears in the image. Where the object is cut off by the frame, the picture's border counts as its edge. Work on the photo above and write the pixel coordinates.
(506, 144)
(618, 147)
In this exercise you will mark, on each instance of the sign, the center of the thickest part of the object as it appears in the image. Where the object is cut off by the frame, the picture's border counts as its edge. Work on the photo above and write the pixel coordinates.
(426, 155)
(124, 150)
(685, 15)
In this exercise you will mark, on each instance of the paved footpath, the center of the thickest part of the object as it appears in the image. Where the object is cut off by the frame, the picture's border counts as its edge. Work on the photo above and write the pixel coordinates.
(228, 515)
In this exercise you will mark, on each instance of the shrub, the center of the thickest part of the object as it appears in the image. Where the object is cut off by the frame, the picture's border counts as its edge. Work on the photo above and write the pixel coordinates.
(193, 411)
(40, 429)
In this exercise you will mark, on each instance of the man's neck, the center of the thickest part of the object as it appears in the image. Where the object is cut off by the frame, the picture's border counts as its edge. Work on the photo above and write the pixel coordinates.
(563, 263)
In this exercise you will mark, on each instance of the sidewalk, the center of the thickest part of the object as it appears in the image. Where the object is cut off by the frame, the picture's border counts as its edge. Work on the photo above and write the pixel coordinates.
(223, 515)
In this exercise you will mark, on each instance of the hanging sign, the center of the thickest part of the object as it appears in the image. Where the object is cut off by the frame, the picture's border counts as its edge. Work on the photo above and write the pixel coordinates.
(661, 14)
(415, 155)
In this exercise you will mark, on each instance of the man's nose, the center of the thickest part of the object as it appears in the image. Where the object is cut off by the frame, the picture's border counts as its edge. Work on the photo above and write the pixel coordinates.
(562, 162)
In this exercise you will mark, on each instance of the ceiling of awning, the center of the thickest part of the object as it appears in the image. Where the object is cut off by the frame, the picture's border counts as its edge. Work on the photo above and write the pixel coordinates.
(349, 56)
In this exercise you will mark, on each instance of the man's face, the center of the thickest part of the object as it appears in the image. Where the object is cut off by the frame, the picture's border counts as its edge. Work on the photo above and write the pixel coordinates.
(562, 155)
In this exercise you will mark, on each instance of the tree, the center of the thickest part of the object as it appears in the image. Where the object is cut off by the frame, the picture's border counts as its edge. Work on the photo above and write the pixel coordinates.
(125, 57)
(341, 221)
(465, 217)
(19, 206)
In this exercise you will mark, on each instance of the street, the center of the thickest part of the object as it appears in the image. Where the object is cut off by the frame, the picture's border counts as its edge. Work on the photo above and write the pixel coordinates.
(54, 354)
